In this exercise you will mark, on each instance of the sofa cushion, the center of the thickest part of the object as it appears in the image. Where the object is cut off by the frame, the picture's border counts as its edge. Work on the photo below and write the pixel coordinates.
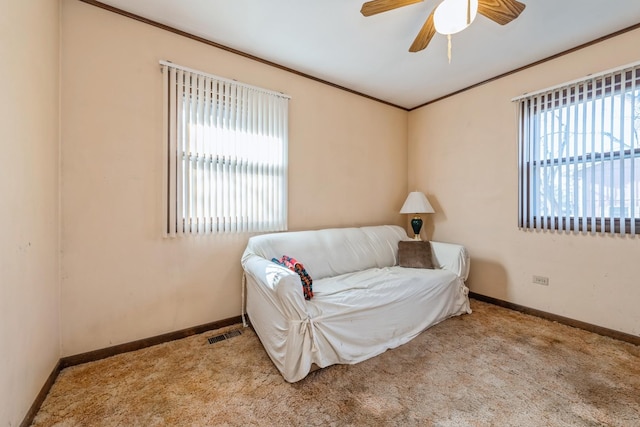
(415, 254)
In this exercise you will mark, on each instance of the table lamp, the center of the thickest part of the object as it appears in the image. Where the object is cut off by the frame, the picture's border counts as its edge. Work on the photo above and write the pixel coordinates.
(416, 203)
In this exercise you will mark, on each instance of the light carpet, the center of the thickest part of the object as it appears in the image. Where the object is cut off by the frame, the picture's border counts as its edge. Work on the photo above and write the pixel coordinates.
(494, 367)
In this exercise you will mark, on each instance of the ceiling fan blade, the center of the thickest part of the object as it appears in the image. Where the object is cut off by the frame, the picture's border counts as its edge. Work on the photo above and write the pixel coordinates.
(500, 11)
(378, 6)
(424, 36)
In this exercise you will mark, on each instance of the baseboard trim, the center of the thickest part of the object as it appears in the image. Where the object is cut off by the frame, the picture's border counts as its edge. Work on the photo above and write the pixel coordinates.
(611, 333)
(92, 356)
(35, 407)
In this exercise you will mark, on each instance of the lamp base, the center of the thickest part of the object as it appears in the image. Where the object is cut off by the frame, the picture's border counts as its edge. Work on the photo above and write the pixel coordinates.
(416, 224)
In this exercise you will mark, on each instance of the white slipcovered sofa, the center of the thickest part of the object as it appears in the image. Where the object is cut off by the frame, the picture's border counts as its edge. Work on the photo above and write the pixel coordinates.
(363, 303)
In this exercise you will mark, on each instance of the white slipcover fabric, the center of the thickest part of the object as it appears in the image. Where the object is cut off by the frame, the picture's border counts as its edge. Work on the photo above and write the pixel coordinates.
(363, 302)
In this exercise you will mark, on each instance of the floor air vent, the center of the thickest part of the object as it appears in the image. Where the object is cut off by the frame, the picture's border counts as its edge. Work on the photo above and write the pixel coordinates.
(223, 337)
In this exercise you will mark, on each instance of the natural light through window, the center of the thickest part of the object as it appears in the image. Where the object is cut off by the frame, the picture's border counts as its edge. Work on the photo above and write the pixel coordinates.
(226, 157)
(579, 155)
(243, 164)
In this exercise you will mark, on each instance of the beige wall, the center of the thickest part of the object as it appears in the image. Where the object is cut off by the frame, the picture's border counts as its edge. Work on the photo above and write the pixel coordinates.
(121, 281)
(29, 118)
(463, 154)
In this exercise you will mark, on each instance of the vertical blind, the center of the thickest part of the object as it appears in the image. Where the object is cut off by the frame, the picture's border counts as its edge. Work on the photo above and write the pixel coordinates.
(579, 155)
(225, 155)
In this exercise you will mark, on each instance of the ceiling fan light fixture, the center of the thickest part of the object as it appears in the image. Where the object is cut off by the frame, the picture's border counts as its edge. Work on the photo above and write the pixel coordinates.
(453, 16)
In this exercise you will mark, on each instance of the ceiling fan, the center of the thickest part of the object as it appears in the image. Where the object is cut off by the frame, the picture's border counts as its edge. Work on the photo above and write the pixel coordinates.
(500, 11)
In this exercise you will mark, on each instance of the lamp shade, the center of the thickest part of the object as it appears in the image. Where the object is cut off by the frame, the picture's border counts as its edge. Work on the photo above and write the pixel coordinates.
(416, 203)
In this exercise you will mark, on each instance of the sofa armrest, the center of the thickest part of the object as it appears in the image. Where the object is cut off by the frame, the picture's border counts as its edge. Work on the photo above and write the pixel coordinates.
(278, 281)
(452, 257)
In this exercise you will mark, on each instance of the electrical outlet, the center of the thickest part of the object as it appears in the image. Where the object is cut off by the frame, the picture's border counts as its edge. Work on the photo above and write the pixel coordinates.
(541, 280)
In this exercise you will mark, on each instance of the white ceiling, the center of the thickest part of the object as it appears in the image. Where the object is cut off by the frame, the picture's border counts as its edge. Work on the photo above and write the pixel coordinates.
(332, 41)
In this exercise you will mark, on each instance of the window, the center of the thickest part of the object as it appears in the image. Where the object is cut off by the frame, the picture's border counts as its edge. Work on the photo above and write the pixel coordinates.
(579, 155)
(225, 155)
